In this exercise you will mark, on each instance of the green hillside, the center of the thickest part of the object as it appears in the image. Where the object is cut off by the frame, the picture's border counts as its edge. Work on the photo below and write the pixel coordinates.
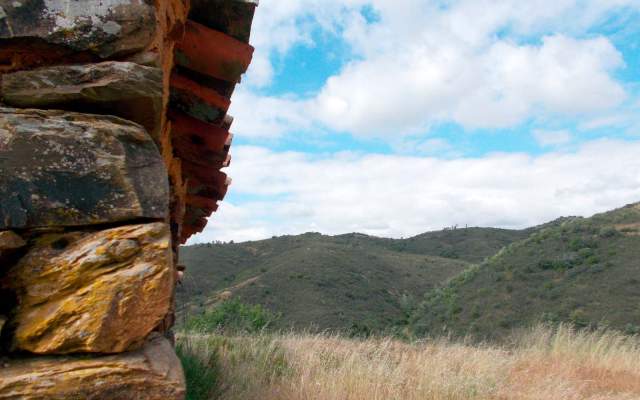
(333, 282)
(468, 244)
(582, 270)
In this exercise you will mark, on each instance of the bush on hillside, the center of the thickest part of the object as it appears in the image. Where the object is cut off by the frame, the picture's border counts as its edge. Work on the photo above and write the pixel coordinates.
(232, 316)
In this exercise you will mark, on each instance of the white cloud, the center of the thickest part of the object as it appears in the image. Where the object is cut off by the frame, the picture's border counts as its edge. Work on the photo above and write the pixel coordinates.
(391, 195)
(279, 25)
(625, 119)
(478, 63)
(496, 87)
(552, 138)
(267, 117)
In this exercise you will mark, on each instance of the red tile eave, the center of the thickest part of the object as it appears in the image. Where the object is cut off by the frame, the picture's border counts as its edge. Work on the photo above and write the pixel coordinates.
(213, 177)
(198, 101)
(213, 53)
(200, 125)
(195, 214)
(227, 121)
(212, 191)
(209, 95)
(198, 142)
(210, 136)
(202, 202)
(191, 229)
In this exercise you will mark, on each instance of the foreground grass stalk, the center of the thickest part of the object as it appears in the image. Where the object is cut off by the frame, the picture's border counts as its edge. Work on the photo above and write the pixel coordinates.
(543, 363)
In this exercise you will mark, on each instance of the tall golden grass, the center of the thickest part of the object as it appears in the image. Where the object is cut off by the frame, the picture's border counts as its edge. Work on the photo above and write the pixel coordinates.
(542, 363)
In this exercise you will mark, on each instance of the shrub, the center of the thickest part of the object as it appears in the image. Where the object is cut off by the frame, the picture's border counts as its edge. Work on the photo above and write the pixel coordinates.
(359, 330)
(585, 253)
(632, 329)
(579, 319)
(609, 232)
(578, 243)
(234, 317)
(545, 264)
(449, 253)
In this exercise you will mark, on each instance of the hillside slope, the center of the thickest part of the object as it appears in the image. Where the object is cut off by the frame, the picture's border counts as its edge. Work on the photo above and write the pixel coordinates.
(314, 280)
(583, 270)
(333, 282)
(468, 244)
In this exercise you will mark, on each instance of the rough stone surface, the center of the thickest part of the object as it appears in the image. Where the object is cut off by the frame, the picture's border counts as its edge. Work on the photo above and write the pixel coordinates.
(153, 372)
(67, 169)
(125, 89)
(106, 28)
(100, 292)
(9, 242)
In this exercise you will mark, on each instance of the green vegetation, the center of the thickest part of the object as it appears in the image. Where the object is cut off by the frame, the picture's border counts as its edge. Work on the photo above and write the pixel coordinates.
(477, 282)
(232, 316)
(354, 283)
(201, 371)
(583, 271)
(469, 244)
(230, 366)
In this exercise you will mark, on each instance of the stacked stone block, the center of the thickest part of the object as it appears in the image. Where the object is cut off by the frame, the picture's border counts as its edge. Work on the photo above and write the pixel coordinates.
(113, 128)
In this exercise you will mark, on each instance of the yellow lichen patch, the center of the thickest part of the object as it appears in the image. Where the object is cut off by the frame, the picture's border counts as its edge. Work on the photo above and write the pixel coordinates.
(100, 292)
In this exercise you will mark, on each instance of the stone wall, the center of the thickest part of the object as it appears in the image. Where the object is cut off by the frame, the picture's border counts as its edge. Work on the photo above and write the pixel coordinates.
(113, 131)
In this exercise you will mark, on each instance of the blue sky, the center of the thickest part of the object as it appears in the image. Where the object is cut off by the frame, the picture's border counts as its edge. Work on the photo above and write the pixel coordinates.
(397, 117)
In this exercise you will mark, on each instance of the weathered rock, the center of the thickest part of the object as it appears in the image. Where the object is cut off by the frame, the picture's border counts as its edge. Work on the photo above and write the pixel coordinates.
(100, 292)
(153, 372)
(125, 89)
(106, 28)
(9, 243)
(67, 169)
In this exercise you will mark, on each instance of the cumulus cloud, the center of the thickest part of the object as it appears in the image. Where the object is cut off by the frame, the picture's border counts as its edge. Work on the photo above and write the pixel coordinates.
(625, 119)
(478, 63)
(495, 88)
(390, 195)
(279, 25)
(267, 117)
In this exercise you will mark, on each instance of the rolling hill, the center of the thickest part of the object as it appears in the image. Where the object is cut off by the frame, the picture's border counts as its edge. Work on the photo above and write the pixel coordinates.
(483, 282)
(333, 282)
(582, 270)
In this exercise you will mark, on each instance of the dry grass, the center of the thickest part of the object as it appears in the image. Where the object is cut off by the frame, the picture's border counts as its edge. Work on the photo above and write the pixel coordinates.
(541, 364)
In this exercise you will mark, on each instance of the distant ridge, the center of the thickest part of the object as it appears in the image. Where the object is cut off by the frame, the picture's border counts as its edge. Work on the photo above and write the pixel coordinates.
(351, 281)
(483, 282)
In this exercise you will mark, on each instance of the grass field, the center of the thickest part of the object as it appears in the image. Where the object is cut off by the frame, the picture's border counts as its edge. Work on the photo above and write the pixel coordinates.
(541, 363)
